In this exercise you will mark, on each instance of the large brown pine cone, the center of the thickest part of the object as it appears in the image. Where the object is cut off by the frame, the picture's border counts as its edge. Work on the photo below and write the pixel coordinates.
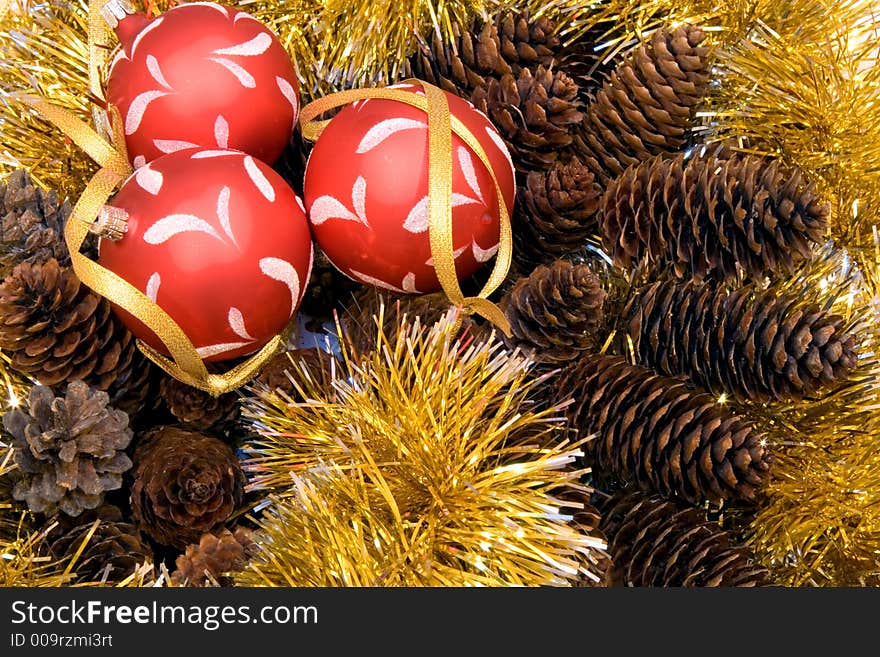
(536, 113)
(57, 330)
(657, 432)
(658, 542)
(214, 557)
(69, 450)
(646, 106)
(185, 484)
(555, 313)
(586, 519)
(31, 224)
(114, 551)
(555, 213)
(749, 343)
(705, 214)
(197, 409)
(501, 47)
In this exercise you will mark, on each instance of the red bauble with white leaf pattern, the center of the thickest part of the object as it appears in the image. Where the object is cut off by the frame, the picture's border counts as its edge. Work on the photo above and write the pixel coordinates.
(366, 190)
(220, 242)
(202, 75)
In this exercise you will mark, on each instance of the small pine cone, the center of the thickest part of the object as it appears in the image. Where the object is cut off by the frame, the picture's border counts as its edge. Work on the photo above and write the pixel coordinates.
(656, 431)
(706, 214)
(276, 374)
(31, 224)
(196, 409)
(498, 48)
(214, 557)
(657, 542)
(359, 321)
(751, 344)
(535, 112)
(185, 484)
(56, 330)
(555, 213)
(115, 550)
(586, 519)
(70, 450)
(646, 106)
(328, 289)
(555, 312)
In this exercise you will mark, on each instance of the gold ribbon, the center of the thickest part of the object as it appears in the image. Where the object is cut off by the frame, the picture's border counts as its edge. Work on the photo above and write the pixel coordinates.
(441, 126)
(185, 363)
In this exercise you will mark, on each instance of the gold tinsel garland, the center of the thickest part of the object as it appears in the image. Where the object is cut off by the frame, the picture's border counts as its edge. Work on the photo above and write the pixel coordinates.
(421, 463)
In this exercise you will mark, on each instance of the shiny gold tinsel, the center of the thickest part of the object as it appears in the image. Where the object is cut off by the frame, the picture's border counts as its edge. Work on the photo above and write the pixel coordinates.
(422, 464)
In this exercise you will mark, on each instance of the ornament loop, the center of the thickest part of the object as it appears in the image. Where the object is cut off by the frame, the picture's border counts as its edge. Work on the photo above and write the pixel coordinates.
(114, 11)
(111, 223)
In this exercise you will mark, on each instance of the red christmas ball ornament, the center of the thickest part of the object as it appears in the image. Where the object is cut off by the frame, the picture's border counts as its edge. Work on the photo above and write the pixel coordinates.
(366, 190)
(202, 75)
(219, 241)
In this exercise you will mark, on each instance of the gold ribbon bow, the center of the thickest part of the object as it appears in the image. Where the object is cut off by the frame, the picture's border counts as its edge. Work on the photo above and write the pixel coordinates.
(441, 126)
(185, 363)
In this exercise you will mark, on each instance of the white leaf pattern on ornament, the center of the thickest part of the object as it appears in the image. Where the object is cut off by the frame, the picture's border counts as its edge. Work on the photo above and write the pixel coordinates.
(409, 283)
(236, 323)
(289, 93)
(455, 254)
(284, 272)
(144, 32)
(262, 183)
(138, 106)
(172, 145)
(244, 16)
(221, 132)
(482, 255)
(118, 57)
(327, 207)
(204, 155)
(149, 180)
(385, 129)
(244, 78)
(499, 142)
(470, 175)
(366, 278)
(217, 349)
(223, 214)
(175, 224)
(256, 46)
(156, 71)
(139, 161)
(152, 289)
(417, 220)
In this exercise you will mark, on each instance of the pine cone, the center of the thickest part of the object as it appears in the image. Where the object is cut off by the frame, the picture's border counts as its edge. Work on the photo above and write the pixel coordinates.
(56, 330)
(555, 313)
(655, 431)
(196, 409)
(274, 374)
(749, 343)
(214, 557)
(31, 224)
(707, 215)
(115, 549)
(69, 450)
(555, 213)
(586, 518)
(646, 106)
(536, 113)
(657, 542)
(185, 484)
(328, 289)
(360, 316)
(506, 46)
